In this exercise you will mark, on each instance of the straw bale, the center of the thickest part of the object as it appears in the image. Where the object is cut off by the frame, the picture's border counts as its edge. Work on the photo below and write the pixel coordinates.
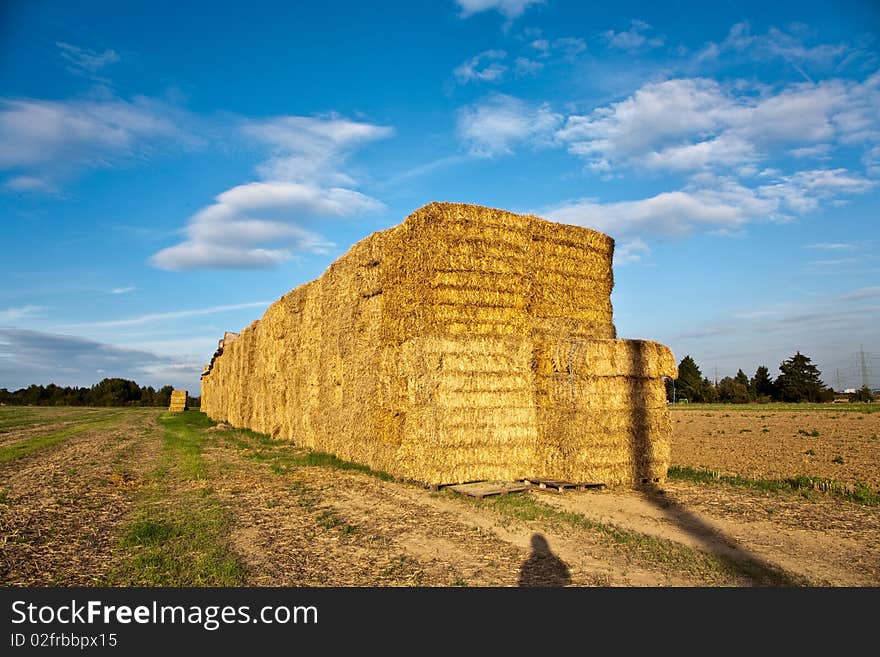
(465, 343)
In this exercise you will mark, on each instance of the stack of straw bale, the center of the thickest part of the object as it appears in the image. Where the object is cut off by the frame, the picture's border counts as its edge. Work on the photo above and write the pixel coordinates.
(178, 401)
(466, 343)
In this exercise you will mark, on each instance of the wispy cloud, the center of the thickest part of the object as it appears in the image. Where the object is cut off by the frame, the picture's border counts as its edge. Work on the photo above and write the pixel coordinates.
(262, 224)
(499, 123)
(510, 9)
(10, 315)
(634, 39)
(122, 290)
(792, 47)
(164, 317)
(832, 246)
(84, 61)
(484, 67)
(712, 203)
(862, 293)
(42, 142)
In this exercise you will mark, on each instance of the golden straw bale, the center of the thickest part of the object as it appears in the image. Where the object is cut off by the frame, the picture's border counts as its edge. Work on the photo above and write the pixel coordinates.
(466, 343)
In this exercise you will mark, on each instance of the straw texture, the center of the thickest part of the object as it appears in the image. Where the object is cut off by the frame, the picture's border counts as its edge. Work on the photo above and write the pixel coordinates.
(466, 343)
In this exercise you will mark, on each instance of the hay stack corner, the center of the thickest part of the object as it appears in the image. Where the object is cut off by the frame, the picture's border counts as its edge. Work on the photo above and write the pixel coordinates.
(178, 401)
(466, 343)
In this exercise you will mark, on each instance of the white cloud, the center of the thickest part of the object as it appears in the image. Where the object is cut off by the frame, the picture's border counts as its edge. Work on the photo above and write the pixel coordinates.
(42, 142)
(819, 151)
(19, 313)
(498, 124)
(631, 251)
(832, 246)
(523, 66)
(776, 43)
(122, 290)
(699, 124)
(304, 148)
(569, 46)
(263, 224)
(84, 61)
(484, 67)
(634, 38)
(719, 205)
(228, 233)
(510, 9)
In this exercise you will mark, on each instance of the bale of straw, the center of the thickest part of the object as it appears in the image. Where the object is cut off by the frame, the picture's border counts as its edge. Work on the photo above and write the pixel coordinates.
(466, 343)
(178, 401)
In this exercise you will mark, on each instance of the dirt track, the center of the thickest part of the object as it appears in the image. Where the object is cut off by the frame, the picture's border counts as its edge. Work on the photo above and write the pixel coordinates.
(65, 509)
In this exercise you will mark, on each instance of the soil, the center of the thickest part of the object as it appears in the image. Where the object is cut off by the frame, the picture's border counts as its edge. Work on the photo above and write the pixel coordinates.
(842, 446)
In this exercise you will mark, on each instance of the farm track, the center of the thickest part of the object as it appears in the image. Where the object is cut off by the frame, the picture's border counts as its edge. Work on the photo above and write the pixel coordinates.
(293, 518)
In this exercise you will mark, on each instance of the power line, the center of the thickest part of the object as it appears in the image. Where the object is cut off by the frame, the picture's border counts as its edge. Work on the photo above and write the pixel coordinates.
(864, 365)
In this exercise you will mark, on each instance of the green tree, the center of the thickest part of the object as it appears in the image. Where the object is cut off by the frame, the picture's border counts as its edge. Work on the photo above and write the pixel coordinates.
(742, 380)
(799, 380)
(863, 394)
(761, 385)
(689, 383)
(733, 390)
(707, 393)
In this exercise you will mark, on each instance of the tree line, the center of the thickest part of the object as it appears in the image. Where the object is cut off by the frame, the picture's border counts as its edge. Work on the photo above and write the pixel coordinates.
(798, 381)
(107, 392)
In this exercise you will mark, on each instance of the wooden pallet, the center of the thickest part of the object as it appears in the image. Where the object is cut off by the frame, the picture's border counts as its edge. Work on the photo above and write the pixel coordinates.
(481, 489)
(560, 486)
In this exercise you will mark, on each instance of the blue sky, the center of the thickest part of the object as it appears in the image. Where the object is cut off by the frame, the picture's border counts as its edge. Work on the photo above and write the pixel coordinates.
(166, 172)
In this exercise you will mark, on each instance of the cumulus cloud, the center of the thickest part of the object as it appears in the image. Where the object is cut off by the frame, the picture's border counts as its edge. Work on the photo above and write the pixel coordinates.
(484, 67)
(510, 9)
(695, 124)
(263, 224)
(633, 39)
(37, 357)
(500, 123)
(44, 142)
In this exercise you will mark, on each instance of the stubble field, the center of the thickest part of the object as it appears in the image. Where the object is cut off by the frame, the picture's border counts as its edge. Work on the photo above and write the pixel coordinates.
(143, 497)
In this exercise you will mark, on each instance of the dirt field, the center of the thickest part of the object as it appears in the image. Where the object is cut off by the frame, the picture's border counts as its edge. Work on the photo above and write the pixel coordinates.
(772, 444)
(125, 497)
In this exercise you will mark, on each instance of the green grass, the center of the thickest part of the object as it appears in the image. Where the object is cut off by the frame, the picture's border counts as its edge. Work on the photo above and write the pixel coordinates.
(859, 492)
(30, 445)
(641, 547)
(284, 458)
(778, 406)
(179, 536)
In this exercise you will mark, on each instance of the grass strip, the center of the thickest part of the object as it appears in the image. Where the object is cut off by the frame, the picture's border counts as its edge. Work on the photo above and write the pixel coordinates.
(179, 537)
(858, 492)
(282, 457)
